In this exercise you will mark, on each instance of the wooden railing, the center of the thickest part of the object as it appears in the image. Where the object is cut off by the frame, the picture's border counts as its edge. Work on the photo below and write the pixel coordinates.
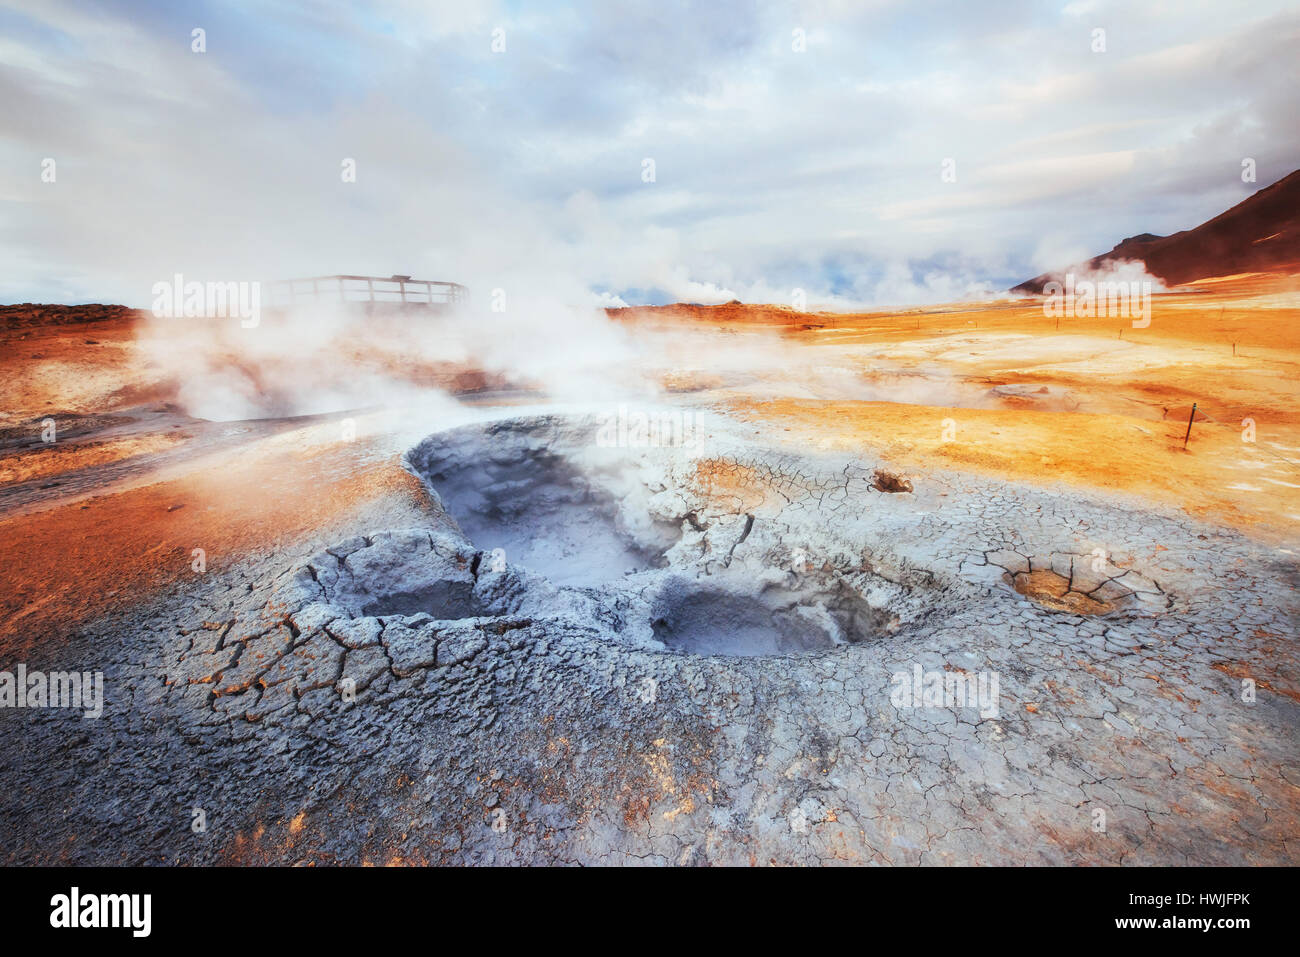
(400, 290)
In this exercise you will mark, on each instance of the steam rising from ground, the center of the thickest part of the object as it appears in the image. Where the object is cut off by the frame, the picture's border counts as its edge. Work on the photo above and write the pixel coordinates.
(328, 357)
(1112, 271)
(331, 357)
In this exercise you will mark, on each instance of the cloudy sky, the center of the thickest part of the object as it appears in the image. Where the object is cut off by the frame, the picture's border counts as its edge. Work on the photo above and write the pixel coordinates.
(793, 145)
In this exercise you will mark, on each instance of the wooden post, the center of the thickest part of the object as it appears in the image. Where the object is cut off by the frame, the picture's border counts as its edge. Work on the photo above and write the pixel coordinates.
(1190, 418)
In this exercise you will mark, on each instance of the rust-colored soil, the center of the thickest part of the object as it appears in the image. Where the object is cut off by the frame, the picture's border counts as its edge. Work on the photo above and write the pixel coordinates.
(1053, 591)
(998, 388)
(70, 562)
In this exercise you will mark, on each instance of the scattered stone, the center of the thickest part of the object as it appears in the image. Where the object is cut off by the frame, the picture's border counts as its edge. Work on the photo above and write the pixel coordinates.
(890, 482)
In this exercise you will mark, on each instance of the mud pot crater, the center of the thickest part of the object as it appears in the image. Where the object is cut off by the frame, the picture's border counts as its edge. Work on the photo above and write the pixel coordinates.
(690, 550)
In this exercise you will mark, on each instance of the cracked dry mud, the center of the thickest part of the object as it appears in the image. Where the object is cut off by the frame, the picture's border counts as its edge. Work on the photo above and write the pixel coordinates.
(684, 655)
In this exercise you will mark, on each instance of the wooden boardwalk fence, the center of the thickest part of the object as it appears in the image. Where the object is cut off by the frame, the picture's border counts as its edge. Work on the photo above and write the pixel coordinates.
(399, 290)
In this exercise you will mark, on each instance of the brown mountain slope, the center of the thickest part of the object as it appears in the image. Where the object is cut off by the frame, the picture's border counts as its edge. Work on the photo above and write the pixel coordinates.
(1259, 234)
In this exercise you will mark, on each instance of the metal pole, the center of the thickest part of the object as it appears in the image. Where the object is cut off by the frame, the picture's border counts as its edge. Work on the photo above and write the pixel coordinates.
(1190, 418)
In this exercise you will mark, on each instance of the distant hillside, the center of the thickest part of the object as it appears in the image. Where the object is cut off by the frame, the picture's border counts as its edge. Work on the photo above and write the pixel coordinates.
(1259, 234)
(30, 315)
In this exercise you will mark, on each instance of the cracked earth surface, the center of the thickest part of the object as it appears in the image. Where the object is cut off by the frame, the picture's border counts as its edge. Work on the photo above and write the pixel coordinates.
(695, 668)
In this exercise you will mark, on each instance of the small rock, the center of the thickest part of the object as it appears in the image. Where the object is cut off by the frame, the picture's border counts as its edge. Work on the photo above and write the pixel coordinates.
(889, 482)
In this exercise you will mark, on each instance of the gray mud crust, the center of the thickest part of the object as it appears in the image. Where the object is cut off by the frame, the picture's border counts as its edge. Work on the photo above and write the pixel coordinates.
(690, 655)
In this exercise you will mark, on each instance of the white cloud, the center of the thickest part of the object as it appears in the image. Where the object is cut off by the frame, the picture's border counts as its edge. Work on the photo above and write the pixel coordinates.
(774, 169)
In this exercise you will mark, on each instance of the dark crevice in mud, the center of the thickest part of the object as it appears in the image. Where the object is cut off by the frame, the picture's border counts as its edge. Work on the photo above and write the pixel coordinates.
(744, 534)
(443, 600)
